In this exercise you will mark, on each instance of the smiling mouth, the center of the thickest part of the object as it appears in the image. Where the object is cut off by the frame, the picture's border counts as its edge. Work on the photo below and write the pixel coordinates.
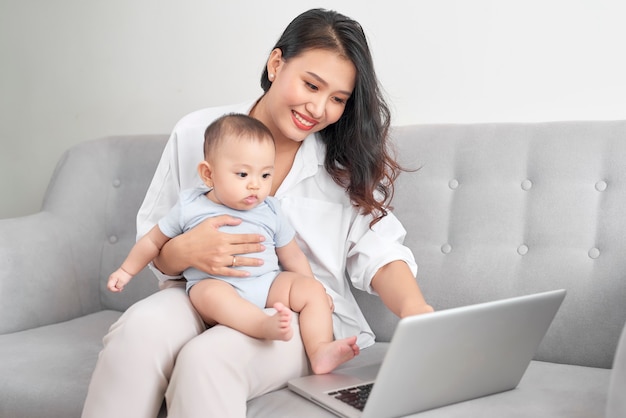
(305, 123)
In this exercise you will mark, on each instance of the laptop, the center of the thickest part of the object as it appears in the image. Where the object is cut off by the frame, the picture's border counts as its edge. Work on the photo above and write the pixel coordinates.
(439, 359)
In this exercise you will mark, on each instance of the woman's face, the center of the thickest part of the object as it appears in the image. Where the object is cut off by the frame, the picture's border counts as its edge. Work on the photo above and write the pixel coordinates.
(308, 93)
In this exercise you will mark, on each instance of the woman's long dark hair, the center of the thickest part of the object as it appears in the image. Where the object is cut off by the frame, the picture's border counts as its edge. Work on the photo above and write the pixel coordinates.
(357, 154)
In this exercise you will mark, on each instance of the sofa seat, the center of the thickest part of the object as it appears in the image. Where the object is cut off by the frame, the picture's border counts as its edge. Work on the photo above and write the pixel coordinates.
(51, 366)
(547, 390)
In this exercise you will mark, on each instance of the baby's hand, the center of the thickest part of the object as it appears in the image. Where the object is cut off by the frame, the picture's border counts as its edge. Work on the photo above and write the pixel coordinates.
(118, 280)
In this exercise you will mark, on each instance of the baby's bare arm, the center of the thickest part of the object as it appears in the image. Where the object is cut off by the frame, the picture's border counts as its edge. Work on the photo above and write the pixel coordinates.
(292, 258)
(139, 257)
(144, 251)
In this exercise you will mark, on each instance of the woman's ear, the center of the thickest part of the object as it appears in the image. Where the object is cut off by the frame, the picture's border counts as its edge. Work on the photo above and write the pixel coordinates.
(205, 173)
(274, 62)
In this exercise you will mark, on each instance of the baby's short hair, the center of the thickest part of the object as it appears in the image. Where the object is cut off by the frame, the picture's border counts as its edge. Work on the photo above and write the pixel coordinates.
(234, 124)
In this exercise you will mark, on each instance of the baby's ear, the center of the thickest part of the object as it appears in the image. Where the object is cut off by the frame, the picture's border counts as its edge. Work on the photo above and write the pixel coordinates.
(205, 173)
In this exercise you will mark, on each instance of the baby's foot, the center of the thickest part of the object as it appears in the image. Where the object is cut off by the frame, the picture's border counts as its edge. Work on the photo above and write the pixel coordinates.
(330, 355)
(278, 326)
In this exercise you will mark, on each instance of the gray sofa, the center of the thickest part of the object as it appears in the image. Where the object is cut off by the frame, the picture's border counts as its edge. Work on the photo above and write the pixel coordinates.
(495, 210)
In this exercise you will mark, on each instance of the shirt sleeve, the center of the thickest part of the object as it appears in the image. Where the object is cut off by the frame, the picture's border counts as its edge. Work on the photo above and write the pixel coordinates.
(369, 249)
(161, 196)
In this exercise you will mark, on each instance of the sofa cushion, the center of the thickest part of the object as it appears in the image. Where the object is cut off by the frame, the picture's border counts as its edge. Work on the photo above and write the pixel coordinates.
(39, 282)
(501, 210)
(50, 367)
(96, 190)
(547, 390)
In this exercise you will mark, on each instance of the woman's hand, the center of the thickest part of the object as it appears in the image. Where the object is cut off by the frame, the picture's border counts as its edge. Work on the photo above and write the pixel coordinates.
(206, 248)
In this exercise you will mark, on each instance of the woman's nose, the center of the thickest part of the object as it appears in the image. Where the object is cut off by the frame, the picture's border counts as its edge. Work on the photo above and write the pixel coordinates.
(315, 107)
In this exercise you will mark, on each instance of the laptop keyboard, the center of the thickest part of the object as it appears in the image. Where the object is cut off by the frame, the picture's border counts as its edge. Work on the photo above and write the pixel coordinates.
(355, 396)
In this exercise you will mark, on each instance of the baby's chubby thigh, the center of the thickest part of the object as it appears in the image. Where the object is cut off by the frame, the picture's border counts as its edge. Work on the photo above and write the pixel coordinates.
(295, 290)
(255, 289)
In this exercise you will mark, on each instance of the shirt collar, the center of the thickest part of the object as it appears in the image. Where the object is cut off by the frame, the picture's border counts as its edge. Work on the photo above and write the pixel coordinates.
(313, 152)
(309, 158)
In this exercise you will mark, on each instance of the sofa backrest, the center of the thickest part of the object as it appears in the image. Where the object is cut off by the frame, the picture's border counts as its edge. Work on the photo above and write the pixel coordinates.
(501, 210)
(96, 191)
(494, 211)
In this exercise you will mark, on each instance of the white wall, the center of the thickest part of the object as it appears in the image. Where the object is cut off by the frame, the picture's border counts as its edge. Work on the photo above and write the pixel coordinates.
(72, 70)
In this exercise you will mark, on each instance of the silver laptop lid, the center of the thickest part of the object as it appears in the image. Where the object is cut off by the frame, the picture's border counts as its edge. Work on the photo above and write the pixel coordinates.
(459, 354)
(445, 357)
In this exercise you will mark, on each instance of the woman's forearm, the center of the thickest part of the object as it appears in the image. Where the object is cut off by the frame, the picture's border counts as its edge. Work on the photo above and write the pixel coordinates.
(399, 291)
(207, 249)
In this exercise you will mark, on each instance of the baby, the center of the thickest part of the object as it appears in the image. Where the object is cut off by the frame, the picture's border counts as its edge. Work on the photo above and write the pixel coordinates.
(239, 156)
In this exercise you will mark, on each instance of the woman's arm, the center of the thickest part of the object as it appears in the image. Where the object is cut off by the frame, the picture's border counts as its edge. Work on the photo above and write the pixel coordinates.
(399, 291)
(207, 249)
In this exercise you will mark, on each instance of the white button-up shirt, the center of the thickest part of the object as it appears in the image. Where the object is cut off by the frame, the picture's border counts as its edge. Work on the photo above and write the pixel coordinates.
(336, 238)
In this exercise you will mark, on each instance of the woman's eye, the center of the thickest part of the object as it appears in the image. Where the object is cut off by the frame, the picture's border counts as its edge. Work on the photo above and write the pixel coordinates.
(311, 86)
(339, 100)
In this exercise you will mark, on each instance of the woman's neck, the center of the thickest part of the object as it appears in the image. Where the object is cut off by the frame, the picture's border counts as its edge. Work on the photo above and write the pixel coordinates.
(286, 148)
(285, 155)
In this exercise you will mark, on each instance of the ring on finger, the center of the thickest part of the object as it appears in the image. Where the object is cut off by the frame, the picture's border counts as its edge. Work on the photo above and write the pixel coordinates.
(234, 261)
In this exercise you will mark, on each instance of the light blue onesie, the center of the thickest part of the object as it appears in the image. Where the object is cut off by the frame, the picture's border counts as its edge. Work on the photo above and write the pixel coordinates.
(266, 219)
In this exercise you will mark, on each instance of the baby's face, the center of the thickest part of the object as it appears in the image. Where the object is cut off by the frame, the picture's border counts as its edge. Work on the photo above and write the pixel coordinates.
(242, 173)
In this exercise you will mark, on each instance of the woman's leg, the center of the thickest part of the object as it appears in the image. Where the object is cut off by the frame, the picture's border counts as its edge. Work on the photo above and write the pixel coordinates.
(217, 372)
(135, 365)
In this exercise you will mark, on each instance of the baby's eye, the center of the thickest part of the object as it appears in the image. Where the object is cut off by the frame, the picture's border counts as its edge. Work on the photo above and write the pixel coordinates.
(242, 175)
(267, 175)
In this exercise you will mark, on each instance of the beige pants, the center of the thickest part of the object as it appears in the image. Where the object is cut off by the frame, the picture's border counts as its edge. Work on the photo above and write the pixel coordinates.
(159, 347)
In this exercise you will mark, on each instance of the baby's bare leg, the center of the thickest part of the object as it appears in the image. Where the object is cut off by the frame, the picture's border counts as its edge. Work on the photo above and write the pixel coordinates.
(218, 302)
(308, 297)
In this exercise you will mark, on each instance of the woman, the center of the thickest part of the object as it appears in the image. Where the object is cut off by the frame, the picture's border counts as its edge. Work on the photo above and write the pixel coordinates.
(333, 176)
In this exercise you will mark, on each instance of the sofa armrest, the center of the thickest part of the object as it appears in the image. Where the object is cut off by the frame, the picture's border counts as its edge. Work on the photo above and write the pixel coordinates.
(39, 283)
(616, 404)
